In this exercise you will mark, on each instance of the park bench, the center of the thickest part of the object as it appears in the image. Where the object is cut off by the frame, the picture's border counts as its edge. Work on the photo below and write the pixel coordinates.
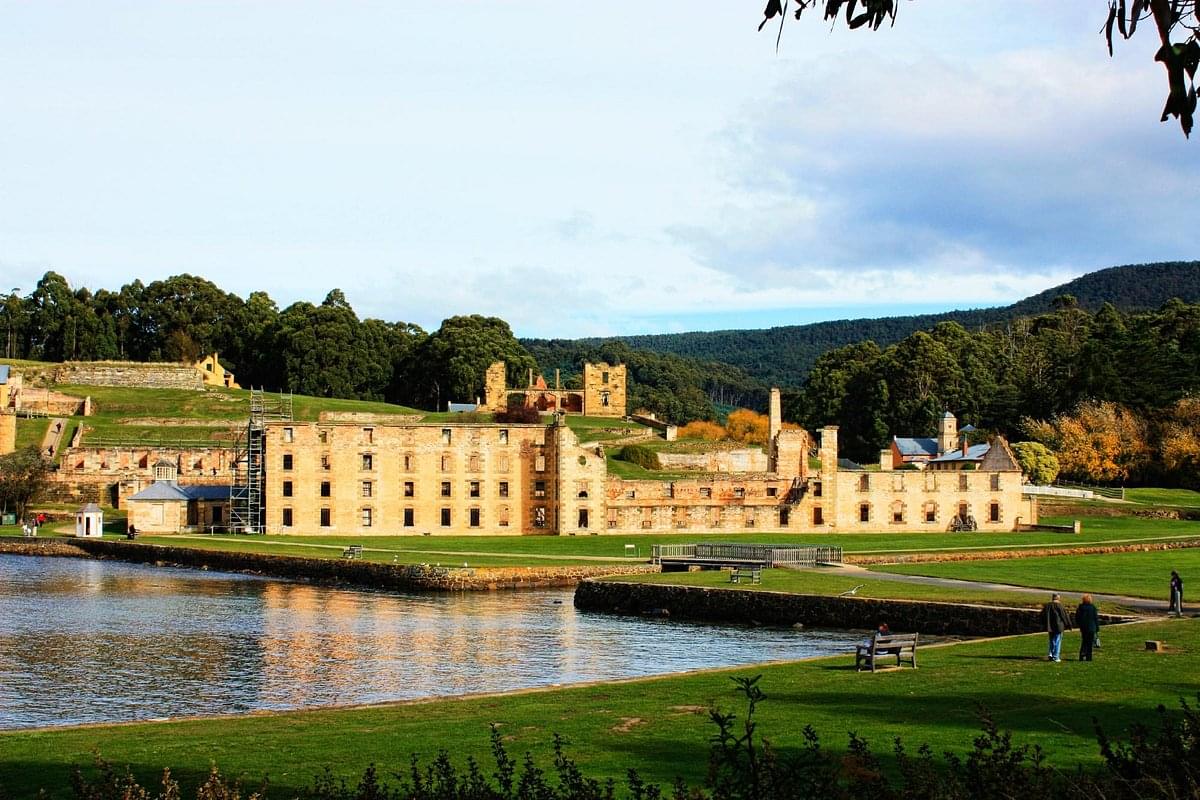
(353, 551)
(745, 574)
(885, 645)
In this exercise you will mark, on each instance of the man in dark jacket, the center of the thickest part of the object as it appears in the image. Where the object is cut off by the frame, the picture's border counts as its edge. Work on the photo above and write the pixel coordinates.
(1054, 617)
(1176, 606)
(1087, 619)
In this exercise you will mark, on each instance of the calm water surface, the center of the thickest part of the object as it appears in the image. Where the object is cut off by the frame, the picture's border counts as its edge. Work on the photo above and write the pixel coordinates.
(95, 641)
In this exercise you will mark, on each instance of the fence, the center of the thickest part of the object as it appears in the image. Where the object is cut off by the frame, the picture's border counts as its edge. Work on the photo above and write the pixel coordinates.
(801, 556)
(1111, 492)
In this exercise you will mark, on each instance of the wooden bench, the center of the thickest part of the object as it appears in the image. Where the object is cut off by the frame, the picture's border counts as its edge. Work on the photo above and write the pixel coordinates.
(745, 574)
(353, 551)
(901, 645)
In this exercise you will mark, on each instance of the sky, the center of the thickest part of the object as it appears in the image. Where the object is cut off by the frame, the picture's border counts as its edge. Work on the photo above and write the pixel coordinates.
(585, 169)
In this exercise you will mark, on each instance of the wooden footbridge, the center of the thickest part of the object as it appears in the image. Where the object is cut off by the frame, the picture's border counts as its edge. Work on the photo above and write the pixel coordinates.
(715, 556)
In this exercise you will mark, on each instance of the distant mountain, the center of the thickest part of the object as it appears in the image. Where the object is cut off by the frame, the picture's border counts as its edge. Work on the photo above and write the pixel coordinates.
(782, 356)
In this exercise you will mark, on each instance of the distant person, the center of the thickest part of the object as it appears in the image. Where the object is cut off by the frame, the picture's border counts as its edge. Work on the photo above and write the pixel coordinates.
(1054, 617)
(1087, 619)
(1176, 606)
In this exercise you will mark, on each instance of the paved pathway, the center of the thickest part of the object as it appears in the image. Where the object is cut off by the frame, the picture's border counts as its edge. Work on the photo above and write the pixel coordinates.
(1141, 604)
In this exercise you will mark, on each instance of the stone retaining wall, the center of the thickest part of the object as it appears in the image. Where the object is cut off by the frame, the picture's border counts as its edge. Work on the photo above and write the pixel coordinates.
(128, 373)
(778, 608)
(327, 571)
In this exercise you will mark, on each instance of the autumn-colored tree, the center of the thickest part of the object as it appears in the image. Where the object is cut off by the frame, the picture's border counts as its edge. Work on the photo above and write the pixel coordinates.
(749, 427)
(702, 429)
(1101, 442)
(1179, 437)
(1038, 463)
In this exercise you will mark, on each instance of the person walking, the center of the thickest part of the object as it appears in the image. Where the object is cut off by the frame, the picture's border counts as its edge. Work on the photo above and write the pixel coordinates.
(1087, 619)
(1176, 606)
(1055, 618)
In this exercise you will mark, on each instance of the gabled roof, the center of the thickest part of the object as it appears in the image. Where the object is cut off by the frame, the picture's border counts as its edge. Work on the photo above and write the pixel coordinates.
(169, 490)
(910, 446)
(90, 508)
(975, 452)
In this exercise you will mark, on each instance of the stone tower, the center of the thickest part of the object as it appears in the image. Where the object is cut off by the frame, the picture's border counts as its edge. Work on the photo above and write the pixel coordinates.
(947, 433)
(774, 426)
(604, 390)
(495, 392)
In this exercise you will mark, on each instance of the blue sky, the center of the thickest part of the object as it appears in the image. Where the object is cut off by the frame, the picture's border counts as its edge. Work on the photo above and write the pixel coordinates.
(585, 169)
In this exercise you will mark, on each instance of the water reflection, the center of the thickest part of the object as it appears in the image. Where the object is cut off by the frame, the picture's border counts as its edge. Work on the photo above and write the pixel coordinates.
(92, 641)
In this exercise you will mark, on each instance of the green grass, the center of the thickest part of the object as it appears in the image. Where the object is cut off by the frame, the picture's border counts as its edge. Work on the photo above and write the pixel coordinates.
(829, 583)
(1183, 498)
(30, 432)
(659, 726)
(507, 549)
(1130, 574)
(635, 472)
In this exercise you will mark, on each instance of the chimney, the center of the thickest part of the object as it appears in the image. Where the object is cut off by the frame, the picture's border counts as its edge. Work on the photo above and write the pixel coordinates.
(557, 385)
(775, 424)
(964, 446)
(531, 378)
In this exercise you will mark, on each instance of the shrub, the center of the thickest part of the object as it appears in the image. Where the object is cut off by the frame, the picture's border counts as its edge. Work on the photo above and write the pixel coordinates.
(641, 455)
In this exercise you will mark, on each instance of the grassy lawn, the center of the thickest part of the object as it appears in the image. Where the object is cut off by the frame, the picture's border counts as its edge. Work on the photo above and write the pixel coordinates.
(31, 431)
(511, 550)
(829, 583)
(1130, 574)
(1183, 498)
(659, 726)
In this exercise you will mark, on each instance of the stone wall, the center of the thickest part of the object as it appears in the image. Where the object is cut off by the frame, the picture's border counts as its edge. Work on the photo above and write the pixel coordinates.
(129, 373)
(326, 571)
(8, 432)
(777, 608)
(368, 418)
(48, 401)
(750, 459)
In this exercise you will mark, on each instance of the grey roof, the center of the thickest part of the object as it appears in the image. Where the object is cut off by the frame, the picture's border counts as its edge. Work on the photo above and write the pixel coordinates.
(967, 429)
(947, 415)
(169, 490)
(3, 373)
(909, 446)
(90, 508)
(461, 407)
(165, 462)
(851, 466)
(974, 453)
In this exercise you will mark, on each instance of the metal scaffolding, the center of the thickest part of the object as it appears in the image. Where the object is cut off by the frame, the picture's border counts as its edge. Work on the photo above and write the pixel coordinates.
(247, 513)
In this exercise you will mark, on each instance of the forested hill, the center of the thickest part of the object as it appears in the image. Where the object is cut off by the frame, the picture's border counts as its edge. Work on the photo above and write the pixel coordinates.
(783, 356)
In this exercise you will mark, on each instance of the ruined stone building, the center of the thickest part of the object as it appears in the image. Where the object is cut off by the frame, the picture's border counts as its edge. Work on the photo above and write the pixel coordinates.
(602, 395)
(337, 478)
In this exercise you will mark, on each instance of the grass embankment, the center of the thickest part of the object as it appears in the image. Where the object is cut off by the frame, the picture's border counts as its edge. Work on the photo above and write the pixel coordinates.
(30, 432)
(1130, 574)
(659, 726)
(830, 583)
(1179, 498)
(563, 550)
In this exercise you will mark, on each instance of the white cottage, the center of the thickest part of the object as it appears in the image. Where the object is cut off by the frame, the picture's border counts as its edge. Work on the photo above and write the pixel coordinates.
(89, 522)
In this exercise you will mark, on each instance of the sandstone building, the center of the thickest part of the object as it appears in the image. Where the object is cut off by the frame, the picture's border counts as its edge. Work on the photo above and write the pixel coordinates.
(602, 395)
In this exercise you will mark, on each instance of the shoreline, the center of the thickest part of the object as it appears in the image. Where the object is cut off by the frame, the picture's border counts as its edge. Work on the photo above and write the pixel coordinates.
(333, 572)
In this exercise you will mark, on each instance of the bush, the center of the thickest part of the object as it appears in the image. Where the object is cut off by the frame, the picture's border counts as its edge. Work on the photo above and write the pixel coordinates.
(639, 454)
